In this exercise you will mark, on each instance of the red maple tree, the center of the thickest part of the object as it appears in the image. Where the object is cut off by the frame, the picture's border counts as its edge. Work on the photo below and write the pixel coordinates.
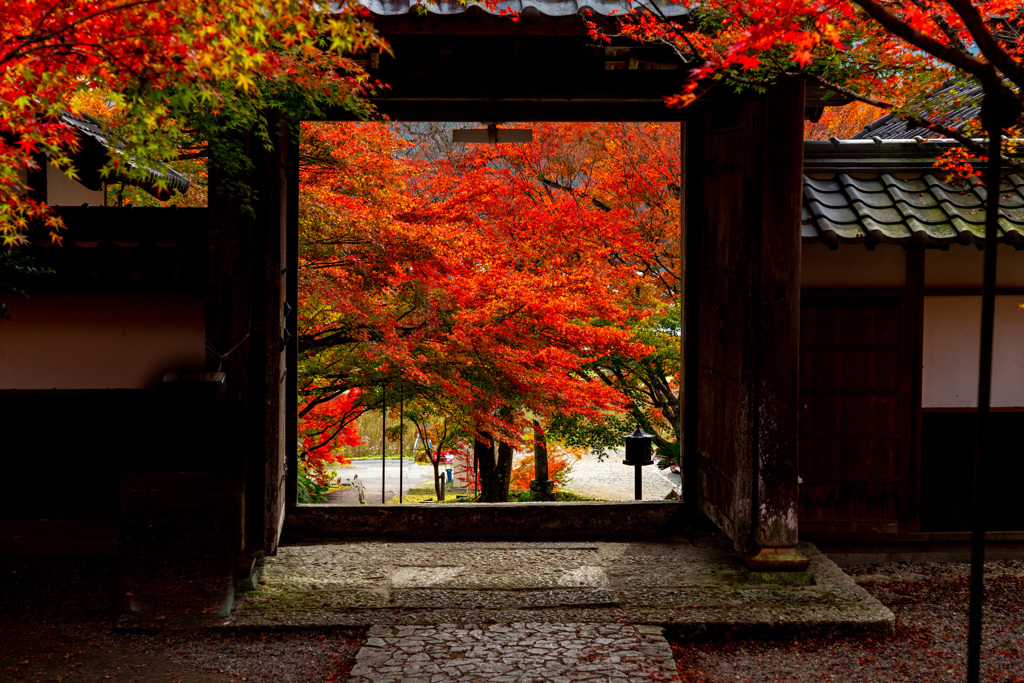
(482, 283)
(161, 65)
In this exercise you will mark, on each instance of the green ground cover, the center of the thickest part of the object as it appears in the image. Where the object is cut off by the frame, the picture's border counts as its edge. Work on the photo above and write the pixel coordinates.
(425, 493)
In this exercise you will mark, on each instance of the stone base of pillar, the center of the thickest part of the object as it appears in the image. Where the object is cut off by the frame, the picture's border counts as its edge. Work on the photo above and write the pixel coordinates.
(542, 489)
(776, 560)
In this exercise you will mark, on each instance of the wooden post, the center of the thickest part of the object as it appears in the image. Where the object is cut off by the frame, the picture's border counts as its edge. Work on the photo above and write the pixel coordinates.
(776, 325)
(745, 204)
(270, 252)
(245, 323)
(291, 261)
(691, 140)
(228, 329)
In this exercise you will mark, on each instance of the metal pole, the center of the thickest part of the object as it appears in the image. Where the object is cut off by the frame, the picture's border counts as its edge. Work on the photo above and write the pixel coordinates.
(401, 445)
(983, 434)
(638, 485)
(383, 441)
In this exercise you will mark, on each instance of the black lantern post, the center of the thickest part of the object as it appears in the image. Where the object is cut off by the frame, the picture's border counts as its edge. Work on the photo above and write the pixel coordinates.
(638, 454)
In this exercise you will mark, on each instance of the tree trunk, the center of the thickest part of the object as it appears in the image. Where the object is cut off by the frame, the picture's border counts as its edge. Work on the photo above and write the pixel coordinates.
(439, 487)
(495, 473)
(541, 488)
(504, 470)
(476, 473)
(483, 453)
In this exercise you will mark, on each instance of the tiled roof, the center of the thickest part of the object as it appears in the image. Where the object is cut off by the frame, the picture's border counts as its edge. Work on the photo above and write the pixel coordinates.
(550, 8)
(89, 128)
(886, 198)
(959, 104)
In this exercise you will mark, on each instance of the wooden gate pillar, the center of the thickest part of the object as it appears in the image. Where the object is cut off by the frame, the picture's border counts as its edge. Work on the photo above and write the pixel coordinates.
(245, 321)
(743, 168)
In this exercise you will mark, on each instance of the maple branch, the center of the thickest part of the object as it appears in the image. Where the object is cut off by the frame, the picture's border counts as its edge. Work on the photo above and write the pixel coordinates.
(679, 33)
(15, 52)
(321, 398)
(328, 439)
(962, 60)
(843, 90)
(342, 336)
(940, 21)
(964, 140)
(983, 38)
(192, 156)
(511, 314)
(661, 393)
(573, 191)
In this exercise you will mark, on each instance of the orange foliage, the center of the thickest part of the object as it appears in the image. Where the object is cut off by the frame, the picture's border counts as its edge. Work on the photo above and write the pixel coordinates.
(482, 280)
(894, 53)
(560, 462)
(842, 122)
(158, 61)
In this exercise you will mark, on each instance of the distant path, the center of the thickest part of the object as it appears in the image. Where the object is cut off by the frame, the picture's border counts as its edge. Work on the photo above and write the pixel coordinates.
(605, 480)
(611, 480)
(369, 473)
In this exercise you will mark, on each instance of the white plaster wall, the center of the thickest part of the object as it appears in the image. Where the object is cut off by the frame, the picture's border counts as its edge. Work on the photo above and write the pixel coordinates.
(950, 355)
(961, 266)
(99, 341)
(63, 191)
(852, 265)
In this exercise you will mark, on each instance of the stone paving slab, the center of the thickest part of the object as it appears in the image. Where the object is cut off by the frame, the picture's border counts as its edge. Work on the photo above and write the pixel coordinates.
(489, 576)
(518, 651)
(492, 599)
(696, 586)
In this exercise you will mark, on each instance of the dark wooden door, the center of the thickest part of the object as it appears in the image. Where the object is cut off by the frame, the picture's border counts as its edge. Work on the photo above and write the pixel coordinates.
(856, 375)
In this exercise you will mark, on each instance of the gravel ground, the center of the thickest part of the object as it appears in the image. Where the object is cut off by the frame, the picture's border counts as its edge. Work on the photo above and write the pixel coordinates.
(611, 480)
(930, 604)
(56, 624)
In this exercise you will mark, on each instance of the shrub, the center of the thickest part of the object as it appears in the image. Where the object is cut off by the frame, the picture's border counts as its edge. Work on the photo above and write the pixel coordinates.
(560, 462)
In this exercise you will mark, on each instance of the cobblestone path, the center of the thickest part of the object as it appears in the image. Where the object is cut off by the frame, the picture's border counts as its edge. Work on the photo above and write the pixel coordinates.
(514, 652)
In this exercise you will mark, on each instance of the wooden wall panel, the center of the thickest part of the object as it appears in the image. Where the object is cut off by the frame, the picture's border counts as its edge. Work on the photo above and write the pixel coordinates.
(853, 459)
(63, 452)
(855, 425)
(853, 370)
(871, 322)
(947, 450)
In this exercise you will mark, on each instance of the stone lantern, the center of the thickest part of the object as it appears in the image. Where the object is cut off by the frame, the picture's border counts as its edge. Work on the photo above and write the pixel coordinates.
(638, 454)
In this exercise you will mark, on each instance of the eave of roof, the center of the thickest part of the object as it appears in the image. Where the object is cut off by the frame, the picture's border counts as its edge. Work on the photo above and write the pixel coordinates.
(156, 173)
(873, 192)
(548, 8)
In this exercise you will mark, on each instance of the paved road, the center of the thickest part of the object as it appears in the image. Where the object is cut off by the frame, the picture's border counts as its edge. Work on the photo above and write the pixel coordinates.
(606, 479)
(609, 479)
(370, 473)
